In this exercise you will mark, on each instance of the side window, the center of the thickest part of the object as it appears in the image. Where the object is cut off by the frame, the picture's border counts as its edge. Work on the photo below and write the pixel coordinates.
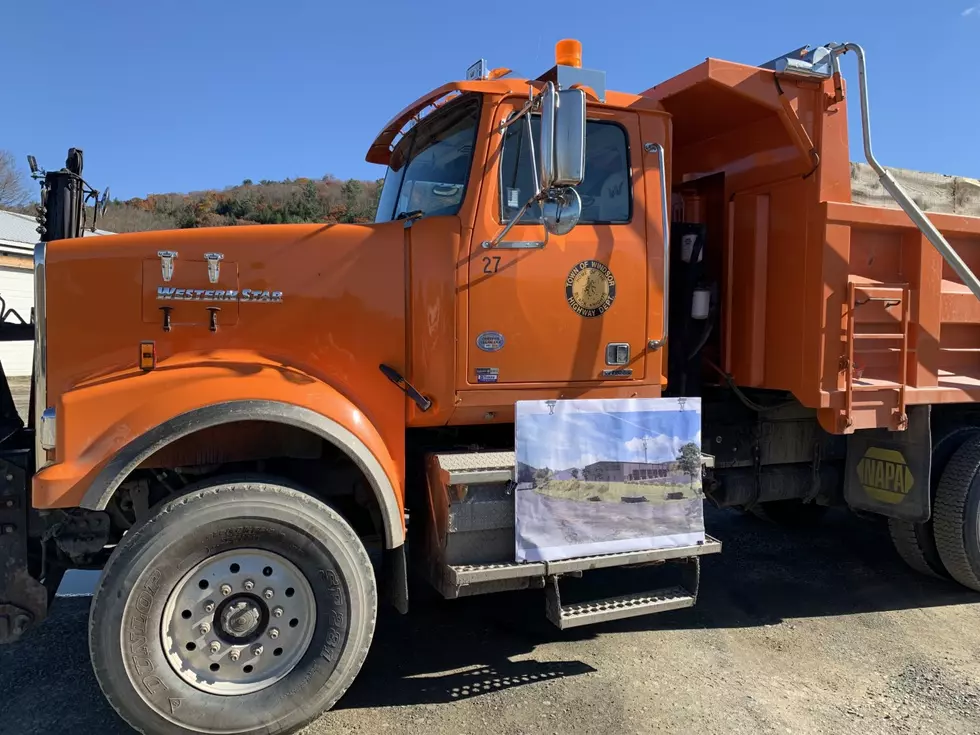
(607, 195)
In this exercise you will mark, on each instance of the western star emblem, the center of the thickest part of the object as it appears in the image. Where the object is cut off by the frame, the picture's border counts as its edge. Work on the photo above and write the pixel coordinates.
(165, 293)
(590, 288)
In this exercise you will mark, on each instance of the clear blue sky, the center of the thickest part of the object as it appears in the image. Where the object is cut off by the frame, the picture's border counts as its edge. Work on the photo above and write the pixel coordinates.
(569, 439)
(188, 95)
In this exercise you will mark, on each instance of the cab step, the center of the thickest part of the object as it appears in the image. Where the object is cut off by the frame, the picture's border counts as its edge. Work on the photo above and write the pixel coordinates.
(645, 602)
(462, 575)
(616, 608)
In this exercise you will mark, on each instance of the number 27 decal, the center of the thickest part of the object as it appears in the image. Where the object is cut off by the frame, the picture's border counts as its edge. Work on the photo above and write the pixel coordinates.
(491, 264)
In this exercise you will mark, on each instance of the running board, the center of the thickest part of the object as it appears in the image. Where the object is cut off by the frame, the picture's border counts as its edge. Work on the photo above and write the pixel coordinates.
(647, 602)
(462, 575)
(615, 608)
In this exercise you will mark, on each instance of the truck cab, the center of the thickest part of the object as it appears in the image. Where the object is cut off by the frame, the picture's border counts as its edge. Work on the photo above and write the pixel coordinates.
(488, 321)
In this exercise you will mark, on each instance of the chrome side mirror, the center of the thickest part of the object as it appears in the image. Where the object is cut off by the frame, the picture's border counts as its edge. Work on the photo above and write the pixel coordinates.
(569, 132)
(561, 211)
(559, 165)
(562, 138)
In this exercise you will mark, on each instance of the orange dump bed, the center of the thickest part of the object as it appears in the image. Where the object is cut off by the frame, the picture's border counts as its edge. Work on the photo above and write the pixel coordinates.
(848, 306)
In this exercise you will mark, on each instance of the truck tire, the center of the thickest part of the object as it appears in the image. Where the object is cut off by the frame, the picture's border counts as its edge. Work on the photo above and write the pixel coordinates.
(916, 542)
(242, 607)
(956, 519)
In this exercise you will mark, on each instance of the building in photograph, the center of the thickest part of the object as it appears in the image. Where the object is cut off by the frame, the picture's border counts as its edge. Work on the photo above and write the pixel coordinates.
(629, 471)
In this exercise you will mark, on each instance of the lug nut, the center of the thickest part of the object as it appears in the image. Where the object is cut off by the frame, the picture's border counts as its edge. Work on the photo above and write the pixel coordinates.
(234, 654)
(205, 628)
(273, 633)
(209, 606)
(226, 589)
(9, 528)
(277, 611)
(268, 593)
(257, 650)
(215, 647)
(249, 584)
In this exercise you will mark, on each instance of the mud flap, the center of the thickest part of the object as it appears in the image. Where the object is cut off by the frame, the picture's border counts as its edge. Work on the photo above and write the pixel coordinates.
(888, 471)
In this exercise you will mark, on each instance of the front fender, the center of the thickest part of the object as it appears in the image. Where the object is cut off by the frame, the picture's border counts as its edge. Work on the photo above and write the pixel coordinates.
(106, 429)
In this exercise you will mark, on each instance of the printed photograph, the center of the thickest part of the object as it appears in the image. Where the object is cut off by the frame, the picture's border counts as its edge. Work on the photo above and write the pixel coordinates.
(607, 476)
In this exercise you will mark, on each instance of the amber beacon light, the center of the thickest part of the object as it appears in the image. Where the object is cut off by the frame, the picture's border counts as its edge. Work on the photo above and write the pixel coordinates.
(568, 52)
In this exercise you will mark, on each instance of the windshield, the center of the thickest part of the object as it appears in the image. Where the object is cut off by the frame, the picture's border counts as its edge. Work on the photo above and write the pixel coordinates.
(430, 165)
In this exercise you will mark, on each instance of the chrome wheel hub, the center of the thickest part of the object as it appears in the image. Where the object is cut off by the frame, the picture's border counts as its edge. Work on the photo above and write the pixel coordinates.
(238, 622)
(241, 618)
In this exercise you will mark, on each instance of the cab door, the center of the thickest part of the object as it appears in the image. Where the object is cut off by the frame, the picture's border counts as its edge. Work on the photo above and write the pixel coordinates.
(572, 308)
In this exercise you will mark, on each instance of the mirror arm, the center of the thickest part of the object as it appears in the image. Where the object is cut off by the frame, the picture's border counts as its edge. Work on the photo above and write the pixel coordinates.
(534, 162)
(514, 117)
(507, 228)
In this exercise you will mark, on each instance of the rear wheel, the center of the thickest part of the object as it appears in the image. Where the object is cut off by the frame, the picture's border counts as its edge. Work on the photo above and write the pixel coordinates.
(241, 607)
(916, 542)
(957, 515)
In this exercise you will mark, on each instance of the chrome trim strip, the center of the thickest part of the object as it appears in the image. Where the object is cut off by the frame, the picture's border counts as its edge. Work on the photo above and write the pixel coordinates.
(515, 244)
(656, 344)
(40, 353)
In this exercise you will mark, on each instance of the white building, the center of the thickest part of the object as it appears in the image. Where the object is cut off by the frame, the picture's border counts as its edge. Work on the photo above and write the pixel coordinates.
(18, 235)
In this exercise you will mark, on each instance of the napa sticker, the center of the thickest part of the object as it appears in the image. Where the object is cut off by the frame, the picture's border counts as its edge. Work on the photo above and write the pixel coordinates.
(884, 475)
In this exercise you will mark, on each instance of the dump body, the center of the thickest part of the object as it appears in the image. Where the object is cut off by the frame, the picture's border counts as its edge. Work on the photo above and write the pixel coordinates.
(814, 286)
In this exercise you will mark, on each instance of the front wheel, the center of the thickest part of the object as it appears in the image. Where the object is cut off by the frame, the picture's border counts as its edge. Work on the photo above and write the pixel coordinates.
(241, 607)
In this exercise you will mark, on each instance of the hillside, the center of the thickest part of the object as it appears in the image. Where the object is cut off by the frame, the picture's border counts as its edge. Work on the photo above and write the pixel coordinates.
(327, 200)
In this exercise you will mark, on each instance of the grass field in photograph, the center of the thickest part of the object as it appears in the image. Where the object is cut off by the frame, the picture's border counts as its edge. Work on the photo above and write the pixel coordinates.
(613, 492)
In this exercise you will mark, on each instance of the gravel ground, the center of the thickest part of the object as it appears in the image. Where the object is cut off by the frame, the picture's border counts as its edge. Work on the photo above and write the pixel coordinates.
(794, 632)
(823, 631)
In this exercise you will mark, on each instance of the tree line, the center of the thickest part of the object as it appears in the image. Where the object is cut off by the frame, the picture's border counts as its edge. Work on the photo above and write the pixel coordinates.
(328, 200)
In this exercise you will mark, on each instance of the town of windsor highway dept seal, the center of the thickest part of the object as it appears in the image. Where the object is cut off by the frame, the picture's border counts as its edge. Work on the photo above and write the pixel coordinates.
(590, 288)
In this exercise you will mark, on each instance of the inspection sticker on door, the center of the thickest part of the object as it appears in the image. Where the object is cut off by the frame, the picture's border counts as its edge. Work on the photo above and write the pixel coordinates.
(487, 374)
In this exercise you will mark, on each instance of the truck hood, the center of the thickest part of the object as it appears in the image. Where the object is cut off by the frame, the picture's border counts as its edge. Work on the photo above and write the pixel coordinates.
(328, 299)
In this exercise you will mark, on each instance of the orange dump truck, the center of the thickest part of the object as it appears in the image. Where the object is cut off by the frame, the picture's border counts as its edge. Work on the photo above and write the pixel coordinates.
(243, 412)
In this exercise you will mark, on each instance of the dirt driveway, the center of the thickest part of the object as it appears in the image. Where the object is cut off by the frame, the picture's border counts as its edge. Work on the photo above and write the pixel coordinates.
(823, 632)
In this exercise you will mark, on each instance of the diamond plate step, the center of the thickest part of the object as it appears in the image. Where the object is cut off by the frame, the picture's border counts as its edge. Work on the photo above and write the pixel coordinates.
(463, 574)
(465, 468)
(615, 608)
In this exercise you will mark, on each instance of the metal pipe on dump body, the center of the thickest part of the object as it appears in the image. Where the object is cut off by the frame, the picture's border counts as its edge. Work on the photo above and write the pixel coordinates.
(917, 216)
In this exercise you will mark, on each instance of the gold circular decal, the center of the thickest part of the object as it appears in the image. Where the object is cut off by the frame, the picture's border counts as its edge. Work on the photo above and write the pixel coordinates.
(590, 288)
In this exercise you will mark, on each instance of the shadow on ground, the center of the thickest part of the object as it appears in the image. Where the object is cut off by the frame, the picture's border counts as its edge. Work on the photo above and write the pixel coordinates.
(445, 651)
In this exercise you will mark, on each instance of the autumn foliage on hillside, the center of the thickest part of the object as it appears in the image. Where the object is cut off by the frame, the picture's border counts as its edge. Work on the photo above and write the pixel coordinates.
(328, 200)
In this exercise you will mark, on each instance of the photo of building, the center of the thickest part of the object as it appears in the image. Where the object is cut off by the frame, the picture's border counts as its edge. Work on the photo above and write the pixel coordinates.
(605, 476)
